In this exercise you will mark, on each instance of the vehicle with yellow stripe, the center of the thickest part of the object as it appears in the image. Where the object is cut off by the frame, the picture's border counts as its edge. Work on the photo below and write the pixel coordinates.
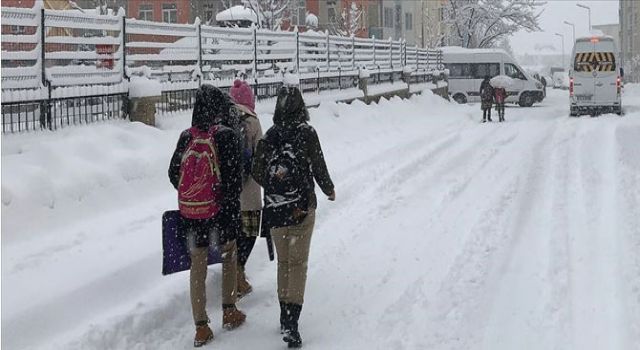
(594, 78)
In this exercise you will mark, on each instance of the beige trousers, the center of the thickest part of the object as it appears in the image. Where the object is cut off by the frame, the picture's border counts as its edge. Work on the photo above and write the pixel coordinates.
(199, 277)
(292, 245)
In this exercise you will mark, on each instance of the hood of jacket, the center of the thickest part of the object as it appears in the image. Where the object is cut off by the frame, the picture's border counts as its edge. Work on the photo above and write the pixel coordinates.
(213, 106)
(290, 108)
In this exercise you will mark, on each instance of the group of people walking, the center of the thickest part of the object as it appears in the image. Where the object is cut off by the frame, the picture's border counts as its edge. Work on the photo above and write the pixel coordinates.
(218, 168)
(490, 95)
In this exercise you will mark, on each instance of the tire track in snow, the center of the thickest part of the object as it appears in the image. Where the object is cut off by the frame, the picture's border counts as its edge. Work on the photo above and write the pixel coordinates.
(597, 321)
(424, 169)
(465, 295)
(394, 314)
(146, 320)
(627, 159)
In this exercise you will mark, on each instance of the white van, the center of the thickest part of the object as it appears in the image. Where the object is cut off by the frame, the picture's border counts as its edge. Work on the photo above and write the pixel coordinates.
(594, 80)
(468, 67)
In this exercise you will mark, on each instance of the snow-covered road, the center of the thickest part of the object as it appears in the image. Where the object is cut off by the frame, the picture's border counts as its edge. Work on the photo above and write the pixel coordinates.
(446, 234)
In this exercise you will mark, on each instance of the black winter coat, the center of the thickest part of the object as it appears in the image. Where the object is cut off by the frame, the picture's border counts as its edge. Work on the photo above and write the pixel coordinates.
(228, 144)
(290, 125)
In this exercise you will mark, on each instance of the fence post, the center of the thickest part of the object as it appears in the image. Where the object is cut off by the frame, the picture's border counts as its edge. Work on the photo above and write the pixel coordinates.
(391, 54)
(199, 32)
(373, 41)
(297, 50)
(42, 48)
(123, 45)
(353, 52)
(45, 104)
(404, 53)
(255, 60)
(417, 59)
(328, 52)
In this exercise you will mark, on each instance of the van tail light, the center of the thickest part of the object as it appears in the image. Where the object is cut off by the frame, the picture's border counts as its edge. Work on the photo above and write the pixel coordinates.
(571, 87)
(619, 85)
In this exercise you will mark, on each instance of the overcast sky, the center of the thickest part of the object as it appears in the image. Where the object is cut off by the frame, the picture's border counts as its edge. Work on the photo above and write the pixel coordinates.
(558, 11)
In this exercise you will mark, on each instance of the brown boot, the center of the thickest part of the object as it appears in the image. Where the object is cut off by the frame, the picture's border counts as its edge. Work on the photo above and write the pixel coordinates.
(243, 287)
(204, 335)
(232, 318)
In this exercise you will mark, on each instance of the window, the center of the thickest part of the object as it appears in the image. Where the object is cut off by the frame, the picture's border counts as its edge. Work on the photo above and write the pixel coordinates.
(331, 14)
(513, 72)
(18, 30)
(169, 13)
(460, 71)
(481, 70)
(408, 21)
(300, 15)
(146, 12)
(388, 17)
(373, 16)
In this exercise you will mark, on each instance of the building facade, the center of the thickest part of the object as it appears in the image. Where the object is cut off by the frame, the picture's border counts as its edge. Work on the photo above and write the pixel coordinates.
(612, 30)
(630, 38)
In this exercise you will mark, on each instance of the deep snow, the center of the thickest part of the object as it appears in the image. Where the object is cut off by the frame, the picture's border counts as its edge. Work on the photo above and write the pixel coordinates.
(446, 234)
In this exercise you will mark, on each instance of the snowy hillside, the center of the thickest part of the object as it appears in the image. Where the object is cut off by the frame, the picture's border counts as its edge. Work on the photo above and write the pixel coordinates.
(446, 234)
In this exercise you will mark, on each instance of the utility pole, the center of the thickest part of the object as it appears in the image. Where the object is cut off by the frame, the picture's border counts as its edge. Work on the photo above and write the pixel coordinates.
(574, 29)
(588, 9)
(562, 36)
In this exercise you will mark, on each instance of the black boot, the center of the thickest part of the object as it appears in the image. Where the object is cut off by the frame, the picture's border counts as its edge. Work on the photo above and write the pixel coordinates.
(291, 334)
(283, 316)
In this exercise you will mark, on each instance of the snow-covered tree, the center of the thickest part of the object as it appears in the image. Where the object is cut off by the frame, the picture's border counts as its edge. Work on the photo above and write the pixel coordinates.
(271, 13)
(431, 33)
(505, 44)
(350, 21)
(483, 23)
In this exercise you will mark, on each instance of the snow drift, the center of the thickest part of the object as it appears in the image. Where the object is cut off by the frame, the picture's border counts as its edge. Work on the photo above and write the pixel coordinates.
(446, 234)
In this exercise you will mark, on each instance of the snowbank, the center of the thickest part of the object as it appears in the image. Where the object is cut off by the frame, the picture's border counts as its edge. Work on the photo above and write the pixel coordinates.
(538, 255)
(79, 171)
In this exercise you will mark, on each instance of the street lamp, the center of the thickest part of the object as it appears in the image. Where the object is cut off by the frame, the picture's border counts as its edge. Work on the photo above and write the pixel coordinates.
(588, 9)
(574, 29)
(562, 36)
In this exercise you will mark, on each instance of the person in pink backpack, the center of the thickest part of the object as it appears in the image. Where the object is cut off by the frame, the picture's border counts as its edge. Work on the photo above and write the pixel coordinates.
(251, 196)
(207, 172)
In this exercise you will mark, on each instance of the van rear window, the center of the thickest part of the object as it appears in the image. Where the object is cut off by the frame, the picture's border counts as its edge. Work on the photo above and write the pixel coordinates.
(595, 61)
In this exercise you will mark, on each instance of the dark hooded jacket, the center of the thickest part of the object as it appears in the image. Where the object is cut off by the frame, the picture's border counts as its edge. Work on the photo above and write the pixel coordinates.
(214, 107)
(290, 125)
(486, 85)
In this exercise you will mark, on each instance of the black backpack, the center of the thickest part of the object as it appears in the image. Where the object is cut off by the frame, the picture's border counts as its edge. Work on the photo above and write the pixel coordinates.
(286, 192)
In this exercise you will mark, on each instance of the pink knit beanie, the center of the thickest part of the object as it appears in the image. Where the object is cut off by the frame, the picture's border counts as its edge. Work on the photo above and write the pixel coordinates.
(242, 94)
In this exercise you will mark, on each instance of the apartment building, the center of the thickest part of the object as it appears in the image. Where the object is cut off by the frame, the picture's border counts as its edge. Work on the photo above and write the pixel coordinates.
(630, 38)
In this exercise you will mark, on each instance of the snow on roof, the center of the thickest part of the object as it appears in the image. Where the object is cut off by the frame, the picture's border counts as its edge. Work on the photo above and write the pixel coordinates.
(458, 49)
(237, 13)
(595, 34)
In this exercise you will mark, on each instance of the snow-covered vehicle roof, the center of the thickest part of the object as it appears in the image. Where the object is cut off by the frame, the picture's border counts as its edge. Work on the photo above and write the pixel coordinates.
(591, 37)
(237, 13)
(458, 49)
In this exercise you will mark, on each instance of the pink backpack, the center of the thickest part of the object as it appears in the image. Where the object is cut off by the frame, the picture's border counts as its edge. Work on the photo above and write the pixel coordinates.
(199, 191)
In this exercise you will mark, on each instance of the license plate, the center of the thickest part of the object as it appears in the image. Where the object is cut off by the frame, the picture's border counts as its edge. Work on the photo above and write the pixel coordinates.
(584, 97)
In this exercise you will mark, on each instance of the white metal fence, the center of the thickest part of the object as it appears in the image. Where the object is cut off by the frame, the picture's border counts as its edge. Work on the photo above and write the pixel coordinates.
(49, 54)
